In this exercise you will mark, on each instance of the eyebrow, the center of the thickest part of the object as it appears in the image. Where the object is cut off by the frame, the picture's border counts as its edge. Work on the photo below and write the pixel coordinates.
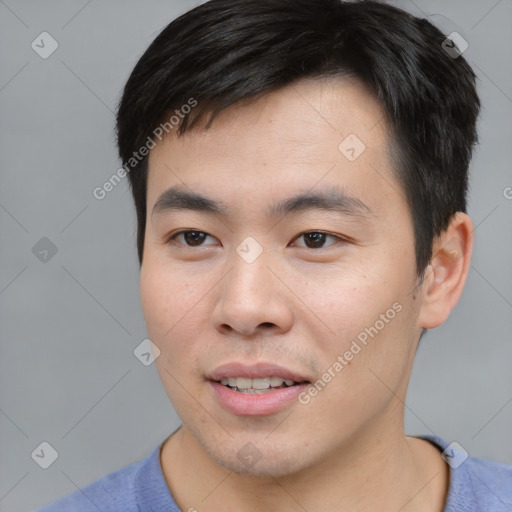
(332, 199)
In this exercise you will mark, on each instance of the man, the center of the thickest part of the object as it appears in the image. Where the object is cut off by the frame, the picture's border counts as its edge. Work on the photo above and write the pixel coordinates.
(299, 171)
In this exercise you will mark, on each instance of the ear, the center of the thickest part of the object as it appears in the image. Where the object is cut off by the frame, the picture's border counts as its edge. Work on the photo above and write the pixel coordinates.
(446, 275)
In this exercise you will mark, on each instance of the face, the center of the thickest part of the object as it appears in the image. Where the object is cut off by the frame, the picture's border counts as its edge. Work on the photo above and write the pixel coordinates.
(317, 292)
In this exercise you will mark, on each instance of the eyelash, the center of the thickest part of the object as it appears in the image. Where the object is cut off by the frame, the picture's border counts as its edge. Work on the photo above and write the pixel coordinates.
(174, 235)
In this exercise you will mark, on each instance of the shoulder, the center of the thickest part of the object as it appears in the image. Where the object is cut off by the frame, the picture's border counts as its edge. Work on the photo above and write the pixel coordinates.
(489, 482)
(476, 484)
(112, 492)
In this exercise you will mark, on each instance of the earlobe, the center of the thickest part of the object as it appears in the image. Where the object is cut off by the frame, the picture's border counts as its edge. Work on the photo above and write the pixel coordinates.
(446, 275)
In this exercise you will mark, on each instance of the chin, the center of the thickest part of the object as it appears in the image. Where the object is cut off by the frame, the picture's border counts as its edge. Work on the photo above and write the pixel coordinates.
(263, 468)
(265, 461)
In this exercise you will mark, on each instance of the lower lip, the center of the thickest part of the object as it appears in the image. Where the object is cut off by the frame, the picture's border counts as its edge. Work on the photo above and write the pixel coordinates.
(262, 404)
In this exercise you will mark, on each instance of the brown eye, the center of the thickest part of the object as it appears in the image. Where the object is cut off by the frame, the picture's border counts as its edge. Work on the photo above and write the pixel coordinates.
(192, 238)
(316, 239)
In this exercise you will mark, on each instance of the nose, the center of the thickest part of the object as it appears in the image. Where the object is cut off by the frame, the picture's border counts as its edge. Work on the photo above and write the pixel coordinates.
(253, 300)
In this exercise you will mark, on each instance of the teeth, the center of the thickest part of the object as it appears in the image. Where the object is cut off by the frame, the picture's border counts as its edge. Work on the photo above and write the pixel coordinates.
(258, 385)
(261, 383)
(243, 383)
(276, 381)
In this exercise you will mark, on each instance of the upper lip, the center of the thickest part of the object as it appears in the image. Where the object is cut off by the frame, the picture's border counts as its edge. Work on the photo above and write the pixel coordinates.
(254, 371)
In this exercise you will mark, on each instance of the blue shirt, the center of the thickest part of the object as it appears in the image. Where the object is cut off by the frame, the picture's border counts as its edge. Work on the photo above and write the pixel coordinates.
(476, 485)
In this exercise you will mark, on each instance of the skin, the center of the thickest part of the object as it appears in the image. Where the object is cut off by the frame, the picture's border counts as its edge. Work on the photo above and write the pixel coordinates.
(297, 306)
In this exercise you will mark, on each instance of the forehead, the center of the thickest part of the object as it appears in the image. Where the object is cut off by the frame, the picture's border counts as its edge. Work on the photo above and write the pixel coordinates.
(328, 132)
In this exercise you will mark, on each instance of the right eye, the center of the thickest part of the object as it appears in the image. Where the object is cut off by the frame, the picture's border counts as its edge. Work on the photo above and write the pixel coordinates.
(192, 237)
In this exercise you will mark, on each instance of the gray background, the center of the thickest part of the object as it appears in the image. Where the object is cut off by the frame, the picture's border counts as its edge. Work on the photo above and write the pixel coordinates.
(69, 325)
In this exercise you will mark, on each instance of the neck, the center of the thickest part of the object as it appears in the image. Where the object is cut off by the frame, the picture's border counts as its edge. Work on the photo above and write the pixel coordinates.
(374, 468)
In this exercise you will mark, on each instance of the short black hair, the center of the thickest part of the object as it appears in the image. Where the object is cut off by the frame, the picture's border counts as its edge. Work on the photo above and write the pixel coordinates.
(225, 51)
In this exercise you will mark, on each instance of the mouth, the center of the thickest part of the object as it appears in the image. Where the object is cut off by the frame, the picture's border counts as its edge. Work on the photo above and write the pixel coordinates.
(258, 386)
(257, 390)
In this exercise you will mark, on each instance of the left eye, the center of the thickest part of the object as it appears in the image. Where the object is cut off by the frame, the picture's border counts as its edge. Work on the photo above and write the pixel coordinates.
(314, 239)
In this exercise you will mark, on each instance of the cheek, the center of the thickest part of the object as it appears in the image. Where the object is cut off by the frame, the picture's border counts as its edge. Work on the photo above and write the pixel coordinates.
(173, 321)
(368, 358)
(367, 315)
(155, 291)
(354, 301)
(171, 304)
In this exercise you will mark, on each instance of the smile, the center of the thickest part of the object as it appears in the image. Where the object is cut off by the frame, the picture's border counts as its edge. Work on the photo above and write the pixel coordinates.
(256, 386)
